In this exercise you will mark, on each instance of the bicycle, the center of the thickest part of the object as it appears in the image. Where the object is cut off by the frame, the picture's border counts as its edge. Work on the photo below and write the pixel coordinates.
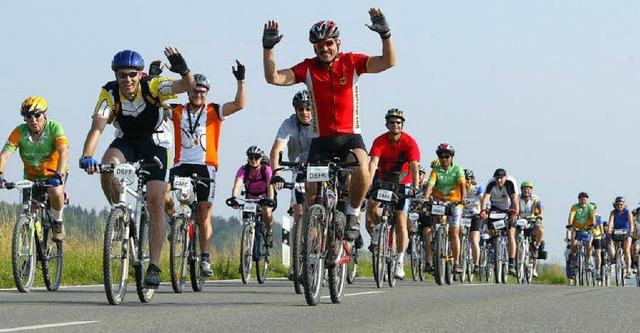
(524, 258)
(126, 236)
(486, 269)
(605, 264)
(579, 257)
(618, 237)
(416, 249)
(32, 238)
(466, 259)
(253, 242)
(184, 236)
(325, 221)
(440, 244)
(498, 223)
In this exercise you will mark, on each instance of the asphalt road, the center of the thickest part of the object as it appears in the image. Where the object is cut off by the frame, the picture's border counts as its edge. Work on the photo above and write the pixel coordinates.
(230, 306)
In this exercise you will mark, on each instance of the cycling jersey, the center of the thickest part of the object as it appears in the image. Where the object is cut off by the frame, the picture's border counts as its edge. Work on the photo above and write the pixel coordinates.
(621, 220)
(334, 91)
(473, 197)
(446, 183)
(197, 135)
(500, 197)
(297, 137)
(159, 87)
(582, 217)
(531, 207)
(40, 156)
(395, 156)
(255, 185)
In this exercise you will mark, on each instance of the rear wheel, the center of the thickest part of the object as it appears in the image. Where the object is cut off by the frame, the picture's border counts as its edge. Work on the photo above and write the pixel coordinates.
(297, 256)
(194, 257)
(440, 256)
(246, 252)
(145, 294)
(115, 257)
(312, 254)
(52, 261)
(352, 267)
(23, 254)
(178, 253)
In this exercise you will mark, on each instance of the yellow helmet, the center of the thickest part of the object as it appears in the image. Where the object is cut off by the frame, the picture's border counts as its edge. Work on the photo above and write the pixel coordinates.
(33, 104)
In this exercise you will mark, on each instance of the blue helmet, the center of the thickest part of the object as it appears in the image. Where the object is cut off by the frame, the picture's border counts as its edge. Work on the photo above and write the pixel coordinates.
(127, 59)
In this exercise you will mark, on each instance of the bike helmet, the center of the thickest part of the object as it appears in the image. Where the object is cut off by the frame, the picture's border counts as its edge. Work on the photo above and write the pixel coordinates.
(202, 81)
(396, 113)
(33, 104)
(255, 150)
(323, 30)
(127, 59)
(526, 183)
(300, 98)
(619, 199)
(583, 195)
(422, 168)
(468, 173)
(445, 148)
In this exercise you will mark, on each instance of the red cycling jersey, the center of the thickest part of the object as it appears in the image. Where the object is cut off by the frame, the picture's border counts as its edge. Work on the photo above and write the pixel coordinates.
(389, 153)
(334, 90)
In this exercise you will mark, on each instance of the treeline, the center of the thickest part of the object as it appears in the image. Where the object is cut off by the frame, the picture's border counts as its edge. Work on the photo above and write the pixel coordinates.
(80, 221)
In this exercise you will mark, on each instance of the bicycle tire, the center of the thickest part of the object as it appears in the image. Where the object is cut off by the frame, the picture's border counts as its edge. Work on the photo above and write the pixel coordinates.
(392, 256)
(379, 260)
(618, 267)
(23, 256)
(195, 270)
(115, 257)
(145, 294)
(337, 273)
(52, 260)
(261, 253)
(312, 254)
(497, 259)
(297, 256)
(352, 266)
(505, 262)
(529, 267)
(482, 270)
(415, 260)
(178, 253)
(440, 256)
(520, 262)
(422, 260)
(246, 252)
(637, 271)
(464, 257)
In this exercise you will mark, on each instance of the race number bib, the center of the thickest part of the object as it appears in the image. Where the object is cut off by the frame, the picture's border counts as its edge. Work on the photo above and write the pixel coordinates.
(384, 195)
(250, 207)
(126, 172)
(437, 210)
(317, 174)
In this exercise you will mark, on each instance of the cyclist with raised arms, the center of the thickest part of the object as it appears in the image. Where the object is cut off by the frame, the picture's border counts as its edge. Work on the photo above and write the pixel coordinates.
(394, 158)
(44, 150)
(472, 207)
(332, 80)
(502, 193)
(621, 218)
(447, 183)
(134, 105)
(196, 127)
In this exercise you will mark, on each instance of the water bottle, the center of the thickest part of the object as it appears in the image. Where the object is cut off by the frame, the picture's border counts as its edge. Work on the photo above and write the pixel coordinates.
(38, 227)
(376, 232)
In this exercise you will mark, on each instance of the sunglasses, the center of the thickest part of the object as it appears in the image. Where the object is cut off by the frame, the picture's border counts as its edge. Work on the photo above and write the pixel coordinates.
(303, 109)
(327, 43)
(254, 157)
(444, 157)
(32, 114)
(123, 75)
(199, 92)
(395, 122)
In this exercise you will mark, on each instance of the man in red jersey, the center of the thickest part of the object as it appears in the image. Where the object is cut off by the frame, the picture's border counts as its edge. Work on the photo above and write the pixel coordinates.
(394, 158)
(332, 80)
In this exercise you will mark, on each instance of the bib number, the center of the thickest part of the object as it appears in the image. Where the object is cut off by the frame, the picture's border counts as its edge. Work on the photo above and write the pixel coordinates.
(250, 207)
(126, 172)
(384, 195)
(466, 222)
(317, 174)
(498, 224)
(437, 210)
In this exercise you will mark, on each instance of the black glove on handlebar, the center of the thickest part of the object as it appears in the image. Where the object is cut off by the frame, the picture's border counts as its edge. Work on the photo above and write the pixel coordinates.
(277, 179)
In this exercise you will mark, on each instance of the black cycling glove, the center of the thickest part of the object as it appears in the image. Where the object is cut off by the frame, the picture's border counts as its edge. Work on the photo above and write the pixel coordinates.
(270, 37)
(178, 65)
(380, 25)
(239, 72)
(277, 179)
(155, 69)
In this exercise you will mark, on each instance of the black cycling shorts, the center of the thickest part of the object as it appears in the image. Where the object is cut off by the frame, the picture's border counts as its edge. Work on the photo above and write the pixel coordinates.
(325, 149)
(298, 197)
(476, 223)
(205, 191)
(597, 244)
(135, 149)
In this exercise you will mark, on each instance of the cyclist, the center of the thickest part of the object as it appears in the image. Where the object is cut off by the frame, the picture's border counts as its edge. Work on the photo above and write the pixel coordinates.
(598, 243)
(256, 176)
(502, 193)
(472, 207)
(332, 80)
(294, 134)
(44, 150)
(447, 183)
(621, 218)
(196, 128)
(134, 106)
(394, 158)
(531, 206)
(581, 217)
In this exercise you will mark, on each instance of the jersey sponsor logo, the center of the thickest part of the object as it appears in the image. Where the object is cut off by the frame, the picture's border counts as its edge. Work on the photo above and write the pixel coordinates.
(343, 80)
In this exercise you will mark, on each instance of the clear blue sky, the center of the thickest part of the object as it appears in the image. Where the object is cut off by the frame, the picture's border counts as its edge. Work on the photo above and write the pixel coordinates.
(545, 89)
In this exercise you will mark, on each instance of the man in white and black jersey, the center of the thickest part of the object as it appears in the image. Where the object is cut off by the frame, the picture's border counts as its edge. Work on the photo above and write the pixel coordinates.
(502, 193)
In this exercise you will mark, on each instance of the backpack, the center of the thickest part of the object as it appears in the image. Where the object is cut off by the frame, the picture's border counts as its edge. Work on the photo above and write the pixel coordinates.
(147, 122)
(264, 163)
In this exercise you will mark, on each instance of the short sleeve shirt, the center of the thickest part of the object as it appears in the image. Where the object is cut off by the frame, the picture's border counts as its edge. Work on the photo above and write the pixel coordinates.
(297, 137)
(446, 183)
(500, 197)
(255, 186)
(391, 153)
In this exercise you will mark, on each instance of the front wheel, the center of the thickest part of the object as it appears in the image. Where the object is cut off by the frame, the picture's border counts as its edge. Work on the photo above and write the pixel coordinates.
(497, 259)
(352, 266)
(23, 254)
(195, 270)
(145, 294)
(379, 261)
(440, 256)
(246, 252)
(520, 261)
(261, 254)
(313, 255)
(465, 258)
(178, 253)
(52, 261)
(337, 272)
(297, 256)
(415, 259)
(115, 256)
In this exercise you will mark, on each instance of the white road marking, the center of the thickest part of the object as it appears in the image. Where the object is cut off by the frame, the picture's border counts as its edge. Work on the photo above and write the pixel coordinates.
(358, 294)
(36, 327)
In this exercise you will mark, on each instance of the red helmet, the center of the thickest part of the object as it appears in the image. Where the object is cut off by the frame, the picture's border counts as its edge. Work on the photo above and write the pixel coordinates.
(323, 30)
(445, 148)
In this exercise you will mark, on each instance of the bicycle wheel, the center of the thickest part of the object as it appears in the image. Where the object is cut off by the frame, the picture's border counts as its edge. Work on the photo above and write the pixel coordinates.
(178, 253)
(337, 271)
(195, 271)
(145, 294)
(261, 254)
(52, 262)
(415, 259)
(464, 258)
(497, 259)
(483, 269)
(246, 252)
(505, 262)
(619, 273)
(392, 256)
(312, 254)
(352, 266)
(23, 254)
(440, 256)
(115, 256)
(530, 262)
(637, 271)
(380, 261)
(520, 261)
(422, 260)
(587, 272)
(297, 256)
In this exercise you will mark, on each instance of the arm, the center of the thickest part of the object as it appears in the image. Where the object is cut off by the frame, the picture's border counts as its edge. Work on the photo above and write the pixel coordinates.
(631, 224)
(4, 157)
(516, 202)
(236, 187)
(415, 173)
(270, 37)
(178, 65)
(388, 58)
(97, 126)
(373, 166)
(610, 228)
(276, 149)
(63, 161)
(238, 104)
(427, 193)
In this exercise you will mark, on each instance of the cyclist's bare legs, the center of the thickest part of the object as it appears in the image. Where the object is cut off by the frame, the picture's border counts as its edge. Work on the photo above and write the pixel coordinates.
(475, 247)
(511, 248)
(204, 221)
(56, 197)
(454, 238)
(538, 234)
(426, 236)
(155, 203)
(169, 205)
(110, 185)
(401, 231)
(373, 215)
(359, 184)
(267, 217)
(627, 254)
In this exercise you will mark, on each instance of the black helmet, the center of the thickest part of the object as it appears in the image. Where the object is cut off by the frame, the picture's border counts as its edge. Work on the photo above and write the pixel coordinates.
(255, 150)
(619, 199)
(394, 113)
(445, 148)
(202, 81)
(583, 195)
(468, 173)
(300, 98)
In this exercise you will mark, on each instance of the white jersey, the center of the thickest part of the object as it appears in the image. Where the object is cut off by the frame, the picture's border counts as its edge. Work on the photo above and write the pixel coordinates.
(297, 137)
